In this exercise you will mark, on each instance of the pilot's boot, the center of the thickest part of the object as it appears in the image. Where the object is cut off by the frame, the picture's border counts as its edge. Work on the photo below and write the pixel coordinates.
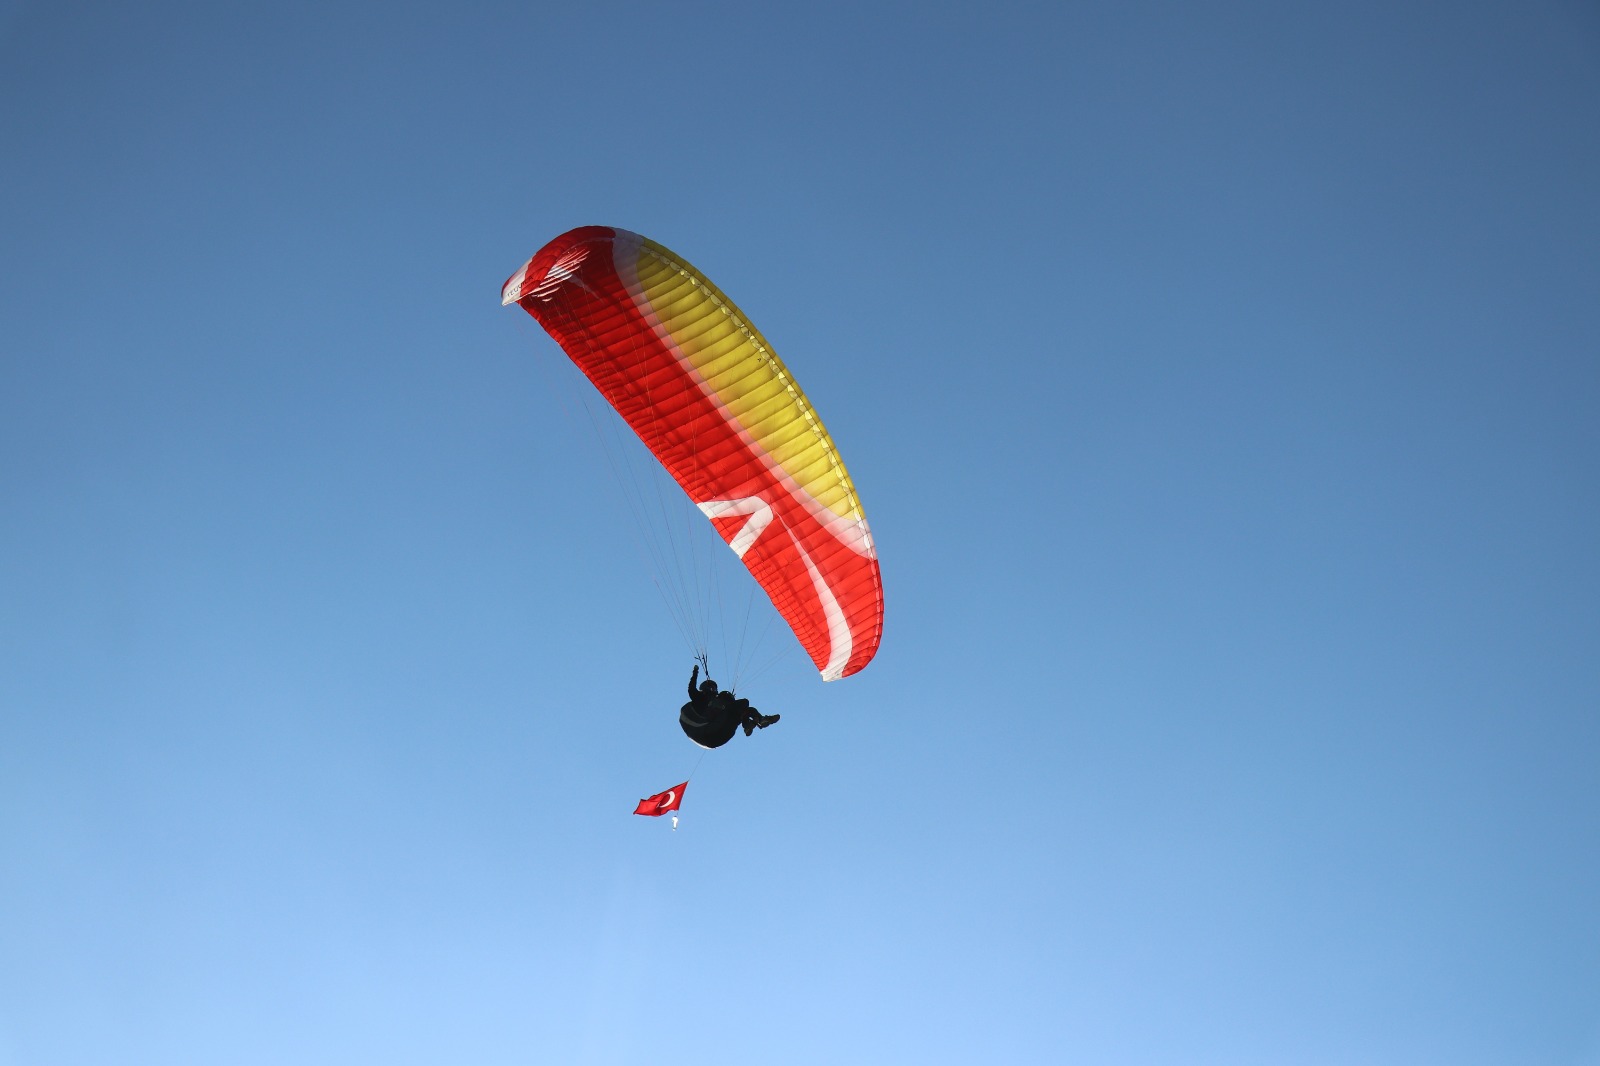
(765, 720)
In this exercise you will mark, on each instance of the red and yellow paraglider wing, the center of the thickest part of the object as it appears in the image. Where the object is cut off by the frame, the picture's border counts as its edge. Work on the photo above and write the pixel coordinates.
(718, 408)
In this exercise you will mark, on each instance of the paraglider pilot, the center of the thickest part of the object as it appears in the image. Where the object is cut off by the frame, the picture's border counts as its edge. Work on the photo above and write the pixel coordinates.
(710, 718)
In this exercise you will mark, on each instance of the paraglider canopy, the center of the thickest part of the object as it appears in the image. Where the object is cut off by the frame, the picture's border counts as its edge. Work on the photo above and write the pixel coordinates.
(721, 412)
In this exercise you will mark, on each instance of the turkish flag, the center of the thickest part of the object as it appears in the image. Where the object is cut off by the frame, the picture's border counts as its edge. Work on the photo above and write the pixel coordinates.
(661, 802)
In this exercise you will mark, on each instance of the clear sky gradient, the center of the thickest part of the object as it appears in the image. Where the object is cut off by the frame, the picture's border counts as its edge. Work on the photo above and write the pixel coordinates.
(1222, 383)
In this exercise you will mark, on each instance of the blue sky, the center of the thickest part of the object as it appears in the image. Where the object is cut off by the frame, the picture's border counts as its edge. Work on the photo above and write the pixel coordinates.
(1221, 384)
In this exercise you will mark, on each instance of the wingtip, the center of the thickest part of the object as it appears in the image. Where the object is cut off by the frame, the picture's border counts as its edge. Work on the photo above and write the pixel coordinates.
(511, 291)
